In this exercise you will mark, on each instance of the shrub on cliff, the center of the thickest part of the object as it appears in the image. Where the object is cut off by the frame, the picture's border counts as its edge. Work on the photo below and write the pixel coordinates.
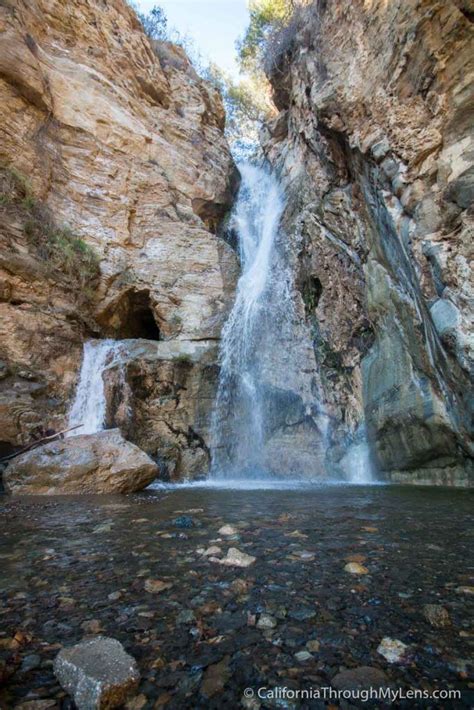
(58, 246)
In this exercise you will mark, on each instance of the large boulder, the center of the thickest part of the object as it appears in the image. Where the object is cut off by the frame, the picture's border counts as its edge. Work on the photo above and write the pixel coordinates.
(94, 463)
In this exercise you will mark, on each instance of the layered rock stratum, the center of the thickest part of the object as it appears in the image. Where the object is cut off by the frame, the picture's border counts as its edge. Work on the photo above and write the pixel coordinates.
(374, 145)
(113, 143)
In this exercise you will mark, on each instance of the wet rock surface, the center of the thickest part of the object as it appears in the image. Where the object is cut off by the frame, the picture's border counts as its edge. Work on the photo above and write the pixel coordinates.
(97, 673)
(201, 633)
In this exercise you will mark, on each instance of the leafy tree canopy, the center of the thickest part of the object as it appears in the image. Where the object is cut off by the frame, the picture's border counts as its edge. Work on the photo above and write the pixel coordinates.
(266, 16)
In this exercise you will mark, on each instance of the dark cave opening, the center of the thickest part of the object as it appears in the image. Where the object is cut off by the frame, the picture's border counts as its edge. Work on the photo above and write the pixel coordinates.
(135, 316)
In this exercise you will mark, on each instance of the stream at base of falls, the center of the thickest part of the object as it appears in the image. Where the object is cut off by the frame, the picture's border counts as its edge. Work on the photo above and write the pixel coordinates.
(293, 618)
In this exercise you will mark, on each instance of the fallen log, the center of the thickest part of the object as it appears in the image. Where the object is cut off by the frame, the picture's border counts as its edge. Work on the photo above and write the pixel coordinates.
(40, 442)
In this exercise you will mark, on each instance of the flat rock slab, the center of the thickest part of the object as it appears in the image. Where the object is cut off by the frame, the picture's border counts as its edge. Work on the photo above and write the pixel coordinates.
(93, 463)
(97, 673)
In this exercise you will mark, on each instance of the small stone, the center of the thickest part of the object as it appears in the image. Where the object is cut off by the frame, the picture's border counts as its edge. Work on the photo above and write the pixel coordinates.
(250, 703)
(361, 678)
(156, 586)
(136, 703)
(105, 527)
(98, 673)
(212, 551)
(228, 530)
(303, 656)
(302, 613)
(215, 678)
(30, 662)
(356, 558)
(185, 617)
(235, 558)
(184, 521)
(91, 626)
(114, 596)
(251, 619)
(356, 568)
(266, 621)
(392, 650)
(437, 615)
(305, 555)
(313, 646)
(465, 590)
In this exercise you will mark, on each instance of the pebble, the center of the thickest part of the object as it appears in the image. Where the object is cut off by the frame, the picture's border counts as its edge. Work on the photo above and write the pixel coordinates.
(436, 615)
(30, 662)
(235, 558)
(392, 650)
(155, 586)
(136, 703)
(228, 530)
(91, 626)
(215, 678)
(183, 521)
(266, 621)
(114, 596)
(356, 568)
(303, 656)
(185, 617)
(212, 551)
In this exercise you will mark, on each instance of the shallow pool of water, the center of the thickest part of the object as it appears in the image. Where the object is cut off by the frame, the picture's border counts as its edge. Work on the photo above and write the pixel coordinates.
(75, 566)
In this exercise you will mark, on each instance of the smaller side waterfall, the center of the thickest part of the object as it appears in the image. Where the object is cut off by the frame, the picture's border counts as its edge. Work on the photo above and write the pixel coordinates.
(88, 407)
(357, 461)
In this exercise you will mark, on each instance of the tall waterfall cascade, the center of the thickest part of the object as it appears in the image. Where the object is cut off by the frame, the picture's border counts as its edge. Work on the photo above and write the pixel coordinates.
(88, 408)
(256, 356)
(269, 419)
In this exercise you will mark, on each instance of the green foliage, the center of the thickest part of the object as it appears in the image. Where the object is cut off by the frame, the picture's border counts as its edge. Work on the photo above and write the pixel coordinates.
(247, 104)
(59, 247)
(183, 358)
(266, 17)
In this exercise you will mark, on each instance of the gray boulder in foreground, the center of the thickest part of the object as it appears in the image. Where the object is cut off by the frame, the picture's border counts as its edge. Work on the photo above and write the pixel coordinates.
(97, 673)
(93, 463)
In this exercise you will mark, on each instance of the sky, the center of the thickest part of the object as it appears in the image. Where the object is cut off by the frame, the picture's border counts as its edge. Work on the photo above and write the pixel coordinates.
(214, 25)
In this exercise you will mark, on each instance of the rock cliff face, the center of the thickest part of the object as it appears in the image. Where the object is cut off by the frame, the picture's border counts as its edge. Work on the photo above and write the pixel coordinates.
(374, 145)
(110, 143)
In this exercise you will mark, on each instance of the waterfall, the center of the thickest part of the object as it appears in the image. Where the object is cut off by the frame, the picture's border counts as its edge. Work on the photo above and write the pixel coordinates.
(262, 308)
(88, 407)
(357, 462)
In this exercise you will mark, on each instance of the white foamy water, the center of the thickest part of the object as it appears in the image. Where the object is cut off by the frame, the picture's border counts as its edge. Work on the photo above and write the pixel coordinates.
(88, 407)
(238, 427)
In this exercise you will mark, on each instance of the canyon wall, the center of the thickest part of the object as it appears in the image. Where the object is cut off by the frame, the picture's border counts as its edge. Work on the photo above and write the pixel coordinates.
(374, 145)
(115, 174)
